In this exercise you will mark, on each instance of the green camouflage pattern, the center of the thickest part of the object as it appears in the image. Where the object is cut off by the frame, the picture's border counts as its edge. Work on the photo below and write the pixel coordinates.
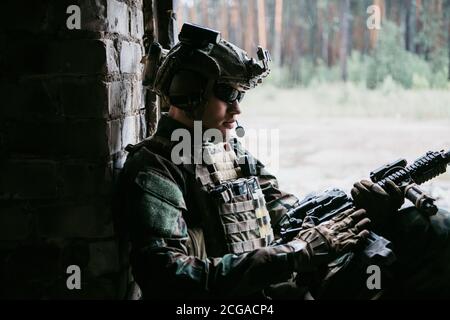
(165, 227)
(161, 204)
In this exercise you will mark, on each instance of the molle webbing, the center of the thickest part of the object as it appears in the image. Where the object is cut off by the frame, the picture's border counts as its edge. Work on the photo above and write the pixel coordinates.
(250, 245)
(249, 205)
(241, 204)
(244, 226)
(240, 201)
(221, 164)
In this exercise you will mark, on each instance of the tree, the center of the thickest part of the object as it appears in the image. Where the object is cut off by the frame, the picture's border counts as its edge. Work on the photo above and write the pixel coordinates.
(235, 22)
(374, 32)
(447, 15)
(249, 33)
(180, 14)
(324, 28)
(193, 12)
(293, 50)
(345, 12)
(204, 12)
(224, 25)
(262, 39)
(311, 6)
(278, 26)
(410, 25)
(367, 33)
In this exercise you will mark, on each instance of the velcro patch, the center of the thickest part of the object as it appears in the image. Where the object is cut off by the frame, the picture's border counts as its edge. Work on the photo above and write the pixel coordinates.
(161, 204)
(161, 187)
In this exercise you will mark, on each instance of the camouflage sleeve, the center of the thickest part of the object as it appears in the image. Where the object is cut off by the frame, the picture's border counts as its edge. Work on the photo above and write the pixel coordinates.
(160, 256)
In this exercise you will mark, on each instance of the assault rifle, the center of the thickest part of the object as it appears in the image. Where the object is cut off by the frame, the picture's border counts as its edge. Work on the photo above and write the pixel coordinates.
(318, 208)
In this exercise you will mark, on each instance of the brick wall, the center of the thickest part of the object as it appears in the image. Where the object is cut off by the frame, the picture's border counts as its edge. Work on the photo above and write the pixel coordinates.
(71, 101)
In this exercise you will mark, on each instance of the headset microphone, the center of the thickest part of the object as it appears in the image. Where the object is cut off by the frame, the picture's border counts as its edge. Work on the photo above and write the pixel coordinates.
(240, 131)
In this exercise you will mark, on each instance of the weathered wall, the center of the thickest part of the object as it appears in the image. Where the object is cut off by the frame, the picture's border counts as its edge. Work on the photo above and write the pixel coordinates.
(71, 101)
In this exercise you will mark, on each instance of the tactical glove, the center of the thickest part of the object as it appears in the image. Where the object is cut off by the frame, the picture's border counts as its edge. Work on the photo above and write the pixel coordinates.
(317, 246)
(379, 202)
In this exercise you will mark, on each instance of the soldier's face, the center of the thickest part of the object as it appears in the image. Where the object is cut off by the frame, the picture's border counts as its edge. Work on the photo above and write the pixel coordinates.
(221, 115)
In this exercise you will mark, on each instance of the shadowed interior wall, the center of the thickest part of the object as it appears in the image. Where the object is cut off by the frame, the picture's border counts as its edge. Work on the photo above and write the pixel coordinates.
(71, 101)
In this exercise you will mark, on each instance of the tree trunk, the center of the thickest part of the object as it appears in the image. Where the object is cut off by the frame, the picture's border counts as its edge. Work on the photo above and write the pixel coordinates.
(388, 10)
(278, 30)
(410, 25)
(419, 48)
(333, 52)
(395, 11)
(345, 7)
(324, 32)
(292, 53)
(359, 27)
(447, 14)
(312, 12)
(224, 19)
(250, 32)
(402, 14)
(262, 39)
(180, 12)
(375, 33)
(367, 32)
(193, 13)
(350, 28)
(235, 25)
(204, 12)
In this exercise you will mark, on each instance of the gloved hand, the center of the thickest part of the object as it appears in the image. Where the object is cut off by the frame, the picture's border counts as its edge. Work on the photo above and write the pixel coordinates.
(379, 202)
(316, 246)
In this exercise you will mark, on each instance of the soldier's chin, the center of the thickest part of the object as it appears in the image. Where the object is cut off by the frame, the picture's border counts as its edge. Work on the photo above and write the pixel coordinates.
(226, 132)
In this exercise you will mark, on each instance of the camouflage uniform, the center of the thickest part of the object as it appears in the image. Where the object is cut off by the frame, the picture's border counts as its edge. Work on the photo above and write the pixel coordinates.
(176, 243)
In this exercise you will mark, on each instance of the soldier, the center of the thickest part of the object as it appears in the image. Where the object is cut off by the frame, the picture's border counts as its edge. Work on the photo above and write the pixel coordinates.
(206, 229)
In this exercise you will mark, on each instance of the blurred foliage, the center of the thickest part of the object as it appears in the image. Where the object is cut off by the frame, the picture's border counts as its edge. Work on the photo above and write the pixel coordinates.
(389, 65)
(411, 50)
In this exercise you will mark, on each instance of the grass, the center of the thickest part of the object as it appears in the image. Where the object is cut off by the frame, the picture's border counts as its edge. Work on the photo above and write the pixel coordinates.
(349, 100)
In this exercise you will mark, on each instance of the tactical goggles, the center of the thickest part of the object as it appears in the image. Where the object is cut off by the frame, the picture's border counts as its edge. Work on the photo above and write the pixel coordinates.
(227, 93)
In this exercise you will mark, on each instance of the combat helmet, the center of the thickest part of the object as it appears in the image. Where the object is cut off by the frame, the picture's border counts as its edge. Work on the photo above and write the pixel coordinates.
(186, 75)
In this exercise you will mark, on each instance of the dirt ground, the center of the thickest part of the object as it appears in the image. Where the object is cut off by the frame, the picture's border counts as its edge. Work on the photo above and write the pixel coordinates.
(316, 153)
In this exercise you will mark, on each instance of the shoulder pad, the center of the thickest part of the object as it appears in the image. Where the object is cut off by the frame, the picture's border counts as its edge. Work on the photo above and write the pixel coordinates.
(161, 187)
(161, 205)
